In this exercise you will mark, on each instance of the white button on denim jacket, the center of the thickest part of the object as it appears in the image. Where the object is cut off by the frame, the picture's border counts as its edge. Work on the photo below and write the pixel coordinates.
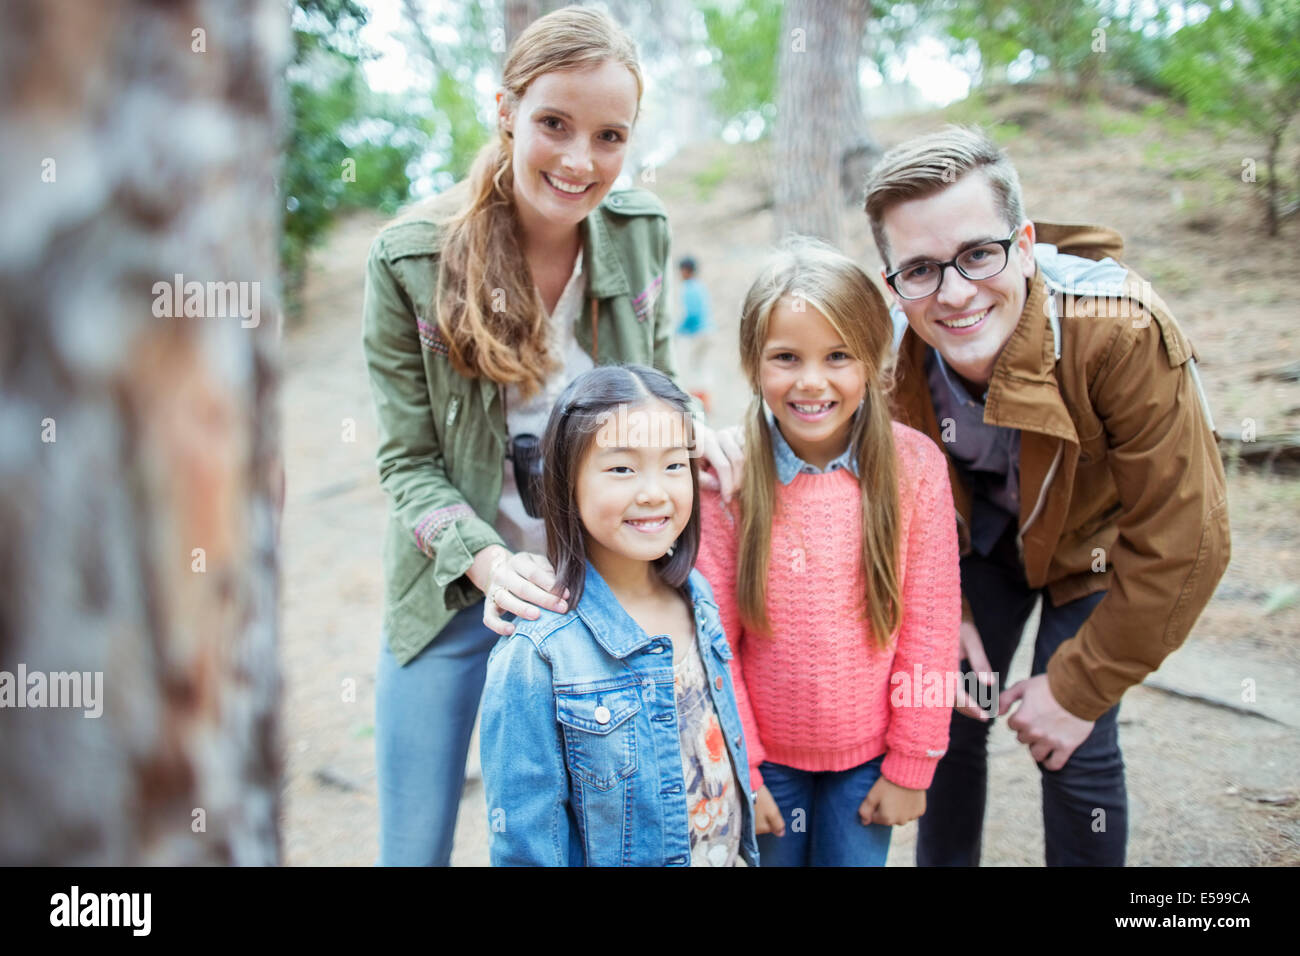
(580, 744)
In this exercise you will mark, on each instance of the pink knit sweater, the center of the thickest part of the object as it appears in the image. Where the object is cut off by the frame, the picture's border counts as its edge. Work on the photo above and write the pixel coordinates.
(817, 694)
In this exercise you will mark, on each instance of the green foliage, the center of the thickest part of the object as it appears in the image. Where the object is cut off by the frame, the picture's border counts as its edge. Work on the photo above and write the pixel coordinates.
(1077, 40)
(1064, 32)
(993, 26)
(1004, 134)
(744, 38)
(462, 43)
(455, 130)
(346, 146)
(1241, 66)
(1138, 47)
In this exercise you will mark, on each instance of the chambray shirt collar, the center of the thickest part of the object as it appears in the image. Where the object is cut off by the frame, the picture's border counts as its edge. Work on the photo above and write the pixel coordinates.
(788, 464)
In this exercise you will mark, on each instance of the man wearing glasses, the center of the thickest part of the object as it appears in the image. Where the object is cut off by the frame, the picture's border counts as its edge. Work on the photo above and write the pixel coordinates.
(1083, 465)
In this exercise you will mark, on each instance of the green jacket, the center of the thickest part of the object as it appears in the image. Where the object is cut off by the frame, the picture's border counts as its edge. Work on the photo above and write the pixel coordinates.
(442, 437)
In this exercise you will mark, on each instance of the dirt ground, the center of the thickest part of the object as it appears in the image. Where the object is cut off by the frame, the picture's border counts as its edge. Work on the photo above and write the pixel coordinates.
(1211, 741)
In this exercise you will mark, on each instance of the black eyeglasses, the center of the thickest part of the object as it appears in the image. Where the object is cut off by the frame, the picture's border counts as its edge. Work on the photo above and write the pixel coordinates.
(923, 279)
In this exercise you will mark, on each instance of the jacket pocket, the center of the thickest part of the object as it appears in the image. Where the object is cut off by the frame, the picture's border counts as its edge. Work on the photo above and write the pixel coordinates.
(599, 735)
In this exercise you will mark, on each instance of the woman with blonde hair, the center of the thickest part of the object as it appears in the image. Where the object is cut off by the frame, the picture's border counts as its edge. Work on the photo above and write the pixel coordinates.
(480, 306)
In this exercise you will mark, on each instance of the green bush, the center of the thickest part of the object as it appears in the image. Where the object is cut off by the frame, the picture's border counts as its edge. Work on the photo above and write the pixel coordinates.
(346, 147)
(1241, 66)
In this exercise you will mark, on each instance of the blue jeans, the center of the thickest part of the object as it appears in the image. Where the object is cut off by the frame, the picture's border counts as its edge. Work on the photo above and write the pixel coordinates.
(1085, 803)
(424, 717)
(820, 809)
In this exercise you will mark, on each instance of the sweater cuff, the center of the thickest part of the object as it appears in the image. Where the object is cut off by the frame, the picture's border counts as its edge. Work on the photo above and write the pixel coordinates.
(755, 780)
(914, 773)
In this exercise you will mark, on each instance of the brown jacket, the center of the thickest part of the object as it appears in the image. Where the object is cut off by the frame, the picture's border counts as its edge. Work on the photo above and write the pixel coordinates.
(1121, 483)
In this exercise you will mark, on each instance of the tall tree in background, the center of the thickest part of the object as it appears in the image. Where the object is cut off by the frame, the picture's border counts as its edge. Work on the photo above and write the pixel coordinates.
(821, 144)
(330, 164)
(139, 455)
(1242, 66)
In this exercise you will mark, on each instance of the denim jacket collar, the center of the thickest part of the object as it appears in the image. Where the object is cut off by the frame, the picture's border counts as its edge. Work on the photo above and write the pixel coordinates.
(612, 627)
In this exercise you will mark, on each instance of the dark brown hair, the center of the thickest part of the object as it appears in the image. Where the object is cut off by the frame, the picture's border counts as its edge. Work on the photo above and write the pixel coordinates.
(579, 414)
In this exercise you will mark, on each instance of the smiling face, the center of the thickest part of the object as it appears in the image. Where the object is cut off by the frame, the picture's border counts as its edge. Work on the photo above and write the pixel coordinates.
(570, 133)
(967, 321)
(634, 488)
(810, 381)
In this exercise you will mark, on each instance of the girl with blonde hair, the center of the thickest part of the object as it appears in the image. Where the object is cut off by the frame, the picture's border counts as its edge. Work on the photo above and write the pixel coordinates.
(835, 572)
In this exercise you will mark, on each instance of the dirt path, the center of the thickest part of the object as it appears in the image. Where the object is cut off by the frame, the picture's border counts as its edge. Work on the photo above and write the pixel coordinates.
(1208, 785)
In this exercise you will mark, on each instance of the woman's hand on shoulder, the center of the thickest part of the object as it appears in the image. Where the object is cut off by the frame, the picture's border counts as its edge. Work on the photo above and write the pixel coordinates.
(725, 451)
(516, 584)
(889, 804)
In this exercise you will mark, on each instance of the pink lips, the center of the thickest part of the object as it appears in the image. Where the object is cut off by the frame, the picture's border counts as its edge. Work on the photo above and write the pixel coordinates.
(547, 177)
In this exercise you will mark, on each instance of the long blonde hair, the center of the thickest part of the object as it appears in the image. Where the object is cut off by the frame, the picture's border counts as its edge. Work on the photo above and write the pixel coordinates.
(482, 262)
(836, 287)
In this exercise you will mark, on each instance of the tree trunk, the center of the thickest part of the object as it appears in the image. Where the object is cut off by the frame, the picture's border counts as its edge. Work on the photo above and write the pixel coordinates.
(821, 147)
(1274, 147)
(138, 150)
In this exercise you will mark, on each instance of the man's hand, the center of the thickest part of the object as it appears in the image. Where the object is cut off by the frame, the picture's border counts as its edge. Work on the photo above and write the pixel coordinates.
(767, 815)
(891, 805)
(972, 651)
(724, 450)
(1051, 731)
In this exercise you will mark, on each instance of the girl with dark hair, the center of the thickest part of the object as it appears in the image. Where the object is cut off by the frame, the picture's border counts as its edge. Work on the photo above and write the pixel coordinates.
(610, 734)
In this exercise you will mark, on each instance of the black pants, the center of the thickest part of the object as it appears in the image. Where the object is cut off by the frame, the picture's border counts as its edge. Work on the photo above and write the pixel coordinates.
(1085, 803)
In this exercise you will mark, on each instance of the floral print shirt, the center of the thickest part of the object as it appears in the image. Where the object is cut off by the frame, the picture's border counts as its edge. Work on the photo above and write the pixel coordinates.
(712, 801)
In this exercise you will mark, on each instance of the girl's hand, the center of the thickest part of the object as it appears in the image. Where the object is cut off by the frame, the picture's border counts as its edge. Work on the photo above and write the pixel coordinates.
(725, 451)
(514, 583)
(767, 815)
(972, 651)
(890, 804)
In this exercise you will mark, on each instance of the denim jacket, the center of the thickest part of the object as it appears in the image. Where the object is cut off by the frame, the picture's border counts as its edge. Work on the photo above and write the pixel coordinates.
(581, 754)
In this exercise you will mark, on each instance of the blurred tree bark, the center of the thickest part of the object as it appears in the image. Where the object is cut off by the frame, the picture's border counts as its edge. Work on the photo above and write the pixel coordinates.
(138, 445)
(822, 149)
